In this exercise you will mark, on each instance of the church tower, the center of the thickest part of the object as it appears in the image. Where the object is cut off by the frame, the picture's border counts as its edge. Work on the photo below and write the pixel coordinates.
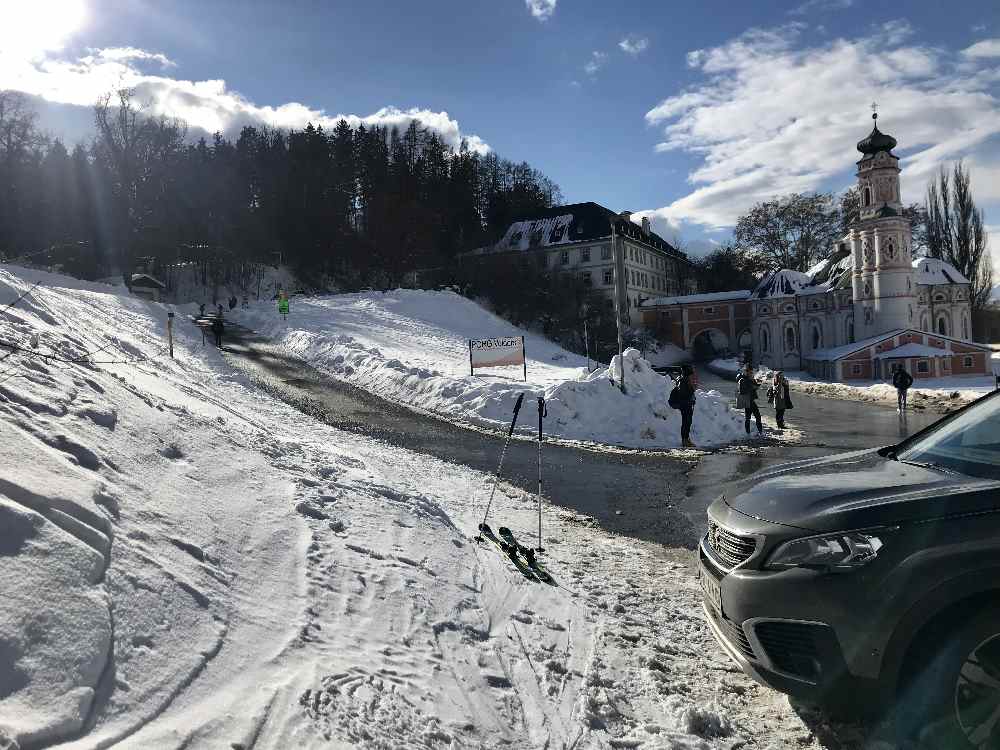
(884, 291)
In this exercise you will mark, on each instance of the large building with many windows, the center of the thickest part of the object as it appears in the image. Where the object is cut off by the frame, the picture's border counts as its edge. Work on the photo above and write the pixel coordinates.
(867, 308)
(577, 239)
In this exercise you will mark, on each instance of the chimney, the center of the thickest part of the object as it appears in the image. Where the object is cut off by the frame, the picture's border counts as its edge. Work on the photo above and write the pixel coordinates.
(645, 225)
(626, 215)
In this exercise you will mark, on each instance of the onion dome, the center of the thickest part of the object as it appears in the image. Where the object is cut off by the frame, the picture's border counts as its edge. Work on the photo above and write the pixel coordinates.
(875, 142)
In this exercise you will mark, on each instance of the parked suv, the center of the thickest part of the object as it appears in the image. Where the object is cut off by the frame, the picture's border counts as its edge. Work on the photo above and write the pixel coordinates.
(871, 580)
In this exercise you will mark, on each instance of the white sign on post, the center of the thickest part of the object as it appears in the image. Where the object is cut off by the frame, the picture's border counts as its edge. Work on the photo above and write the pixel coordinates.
(499, 352)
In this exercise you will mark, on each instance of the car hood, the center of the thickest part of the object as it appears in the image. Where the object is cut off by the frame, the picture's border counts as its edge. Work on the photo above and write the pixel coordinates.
(858, 490)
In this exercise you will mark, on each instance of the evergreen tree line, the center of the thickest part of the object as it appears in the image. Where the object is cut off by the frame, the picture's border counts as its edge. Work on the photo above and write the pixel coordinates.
(361, 204)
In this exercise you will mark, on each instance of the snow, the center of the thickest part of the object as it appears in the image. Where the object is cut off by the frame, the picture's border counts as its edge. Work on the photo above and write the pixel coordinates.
(697, 298)
(186, 562)
(783, 283)
(935, 271)
(914, 350)
(411, 346)
(666, 355)
(550, 231)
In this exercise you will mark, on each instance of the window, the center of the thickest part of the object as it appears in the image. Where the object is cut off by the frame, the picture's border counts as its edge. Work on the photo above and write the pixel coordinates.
(849, 330)
(789, 308)
(764, 343)
(967, 362)
(765, 310)
(817, 337)
(923, 366)
(564, 257)
(946, 364)
(587, 281)
(790, 338)
(585, 255)
(515, 239)
(605, 252)
(867, 197)
(939, 298)
(942, 326)
(965, 327)
(856, 368)
(709, 311)
(631, 255)
(608, 277)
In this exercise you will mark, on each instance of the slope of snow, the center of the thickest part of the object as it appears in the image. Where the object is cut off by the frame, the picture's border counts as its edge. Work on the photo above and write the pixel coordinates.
(411, 346)
(186, 562)
(936, 271)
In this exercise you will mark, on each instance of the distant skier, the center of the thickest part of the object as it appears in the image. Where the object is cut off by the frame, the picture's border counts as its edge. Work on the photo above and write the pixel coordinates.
(232, 303)
(201, 310)
(218, 328)
(901, 381)
(779, 397)
(682, 398)
(746, 398)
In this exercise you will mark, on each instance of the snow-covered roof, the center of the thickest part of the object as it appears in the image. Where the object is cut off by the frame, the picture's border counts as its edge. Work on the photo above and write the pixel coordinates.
(836, 352)
(688, 299)
(783, 283)
(936, 271)
(144, 279)
(914, 350)
(522, 235)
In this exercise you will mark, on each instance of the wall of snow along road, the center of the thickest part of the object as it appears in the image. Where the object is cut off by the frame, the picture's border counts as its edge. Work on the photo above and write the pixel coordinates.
(411, 347)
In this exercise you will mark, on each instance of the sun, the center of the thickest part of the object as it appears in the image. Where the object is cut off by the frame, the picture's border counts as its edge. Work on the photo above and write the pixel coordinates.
(32, 27)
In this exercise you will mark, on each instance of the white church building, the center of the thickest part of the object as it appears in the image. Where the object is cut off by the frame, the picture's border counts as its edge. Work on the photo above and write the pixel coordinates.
(865, 309)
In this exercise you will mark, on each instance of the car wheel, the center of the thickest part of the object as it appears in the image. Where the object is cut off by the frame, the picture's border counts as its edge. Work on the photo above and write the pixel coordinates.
(951, 700)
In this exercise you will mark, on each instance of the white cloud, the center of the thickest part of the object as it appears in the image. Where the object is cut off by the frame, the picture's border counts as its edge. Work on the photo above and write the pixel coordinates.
(634, 45)
(979, 28)
(125, 54)
(596, 62)
(541, 9)
(30, 28)
(208, 105)
(987, 48)
(774, 115)
(820, 5)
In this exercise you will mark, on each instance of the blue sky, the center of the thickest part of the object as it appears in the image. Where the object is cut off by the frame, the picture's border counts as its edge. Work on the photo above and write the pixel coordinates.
(690, 111)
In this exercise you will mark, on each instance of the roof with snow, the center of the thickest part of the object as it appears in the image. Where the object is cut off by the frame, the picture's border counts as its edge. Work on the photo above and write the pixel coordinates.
(688, 299)
(577, 222)
(936, 271)
(783, 283)
(839, 352)
(914, 350)
(147, 281)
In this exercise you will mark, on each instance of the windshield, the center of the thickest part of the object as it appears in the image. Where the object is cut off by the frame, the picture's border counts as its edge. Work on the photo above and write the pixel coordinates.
(969, 443)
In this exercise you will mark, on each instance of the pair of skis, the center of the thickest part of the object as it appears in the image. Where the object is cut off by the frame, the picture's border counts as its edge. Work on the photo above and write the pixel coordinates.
(522, 557)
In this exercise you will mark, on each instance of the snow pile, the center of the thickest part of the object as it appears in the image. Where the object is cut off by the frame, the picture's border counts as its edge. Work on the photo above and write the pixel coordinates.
(411, 346)
(667, 354)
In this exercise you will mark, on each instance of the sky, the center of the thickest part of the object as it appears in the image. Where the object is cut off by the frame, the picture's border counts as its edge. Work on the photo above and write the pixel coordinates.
(688, 112)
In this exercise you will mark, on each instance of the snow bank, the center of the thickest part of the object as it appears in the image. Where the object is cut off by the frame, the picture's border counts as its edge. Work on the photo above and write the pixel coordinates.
(411, 346)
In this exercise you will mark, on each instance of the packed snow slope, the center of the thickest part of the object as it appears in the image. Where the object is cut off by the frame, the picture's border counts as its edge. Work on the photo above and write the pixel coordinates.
(412, 347)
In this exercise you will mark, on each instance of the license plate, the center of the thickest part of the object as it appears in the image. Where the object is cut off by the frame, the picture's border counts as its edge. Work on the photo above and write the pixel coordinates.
(710, 588)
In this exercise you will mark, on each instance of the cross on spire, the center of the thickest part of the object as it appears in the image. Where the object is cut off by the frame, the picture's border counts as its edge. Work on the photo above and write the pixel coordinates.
(874, 110)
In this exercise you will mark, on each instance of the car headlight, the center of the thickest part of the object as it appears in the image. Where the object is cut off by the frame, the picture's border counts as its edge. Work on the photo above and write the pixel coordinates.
(843, 551)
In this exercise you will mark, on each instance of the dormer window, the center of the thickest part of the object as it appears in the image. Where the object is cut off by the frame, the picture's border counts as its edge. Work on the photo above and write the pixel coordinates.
(536, 238)
(556, 234)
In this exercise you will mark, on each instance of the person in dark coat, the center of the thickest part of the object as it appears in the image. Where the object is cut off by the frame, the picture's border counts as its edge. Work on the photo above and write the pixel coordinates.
(232, 303)
(746, 398)
(780, 398)
(686, 397)
(201, 310)
(901, 381)
(218, 328)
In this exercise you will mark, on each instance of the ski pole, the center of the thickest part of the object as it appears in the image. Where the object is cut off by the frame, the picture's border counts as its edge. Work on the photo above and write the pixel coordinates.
(503, 453)
(542, 412)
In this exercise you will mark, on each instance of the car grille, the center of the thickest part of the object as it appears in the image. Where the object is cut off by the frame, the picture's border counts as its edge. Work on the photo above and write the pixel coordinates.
(730, 548)
(793, 647)
(737, 637)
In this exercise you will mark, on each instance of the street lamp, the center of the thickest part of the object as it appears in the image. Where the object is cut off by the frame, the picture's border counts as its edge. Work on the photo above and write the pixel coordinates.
(618, 302)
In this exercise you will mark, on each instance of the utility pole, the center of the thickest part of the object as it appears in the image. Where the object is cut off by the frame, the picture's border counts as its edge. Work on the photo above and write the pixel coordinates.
(170, 333)
(618, 301)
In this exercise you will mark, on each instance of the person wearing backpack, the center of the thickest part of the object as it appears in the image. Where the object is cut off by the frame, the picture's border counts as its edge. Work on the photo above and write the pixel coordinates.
(901, 381)
(682, 398)
(746, 398)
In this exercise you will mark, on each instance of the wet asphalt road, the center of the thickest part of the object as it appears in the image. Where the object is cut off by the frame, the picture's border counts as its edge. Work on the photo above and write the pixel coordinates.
(634, 494)
(651, 496)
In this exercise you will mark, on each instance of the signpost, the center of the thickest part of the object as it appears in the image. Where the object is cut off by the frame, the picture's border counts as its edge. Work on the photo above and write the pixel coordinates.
(499, 352)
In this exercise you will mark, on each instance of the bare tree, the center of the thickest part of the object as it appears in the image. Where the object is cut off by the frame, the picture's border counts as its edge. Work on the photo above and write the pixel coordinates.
(792, 231)
(955, 231)
(18, 125)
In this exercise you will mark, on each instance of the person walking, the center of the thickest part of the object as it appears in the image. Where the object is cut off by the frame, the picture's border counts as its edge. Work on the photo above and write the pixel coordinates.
(780, 398)
(746, 398)
(901, 381)
(218, 328)
(201, 310)
(682, 398)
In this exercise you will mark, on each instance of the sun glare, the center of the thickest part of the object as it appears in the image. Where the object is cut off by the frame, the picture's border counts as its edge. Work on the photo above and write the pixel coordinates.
(32, 28)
